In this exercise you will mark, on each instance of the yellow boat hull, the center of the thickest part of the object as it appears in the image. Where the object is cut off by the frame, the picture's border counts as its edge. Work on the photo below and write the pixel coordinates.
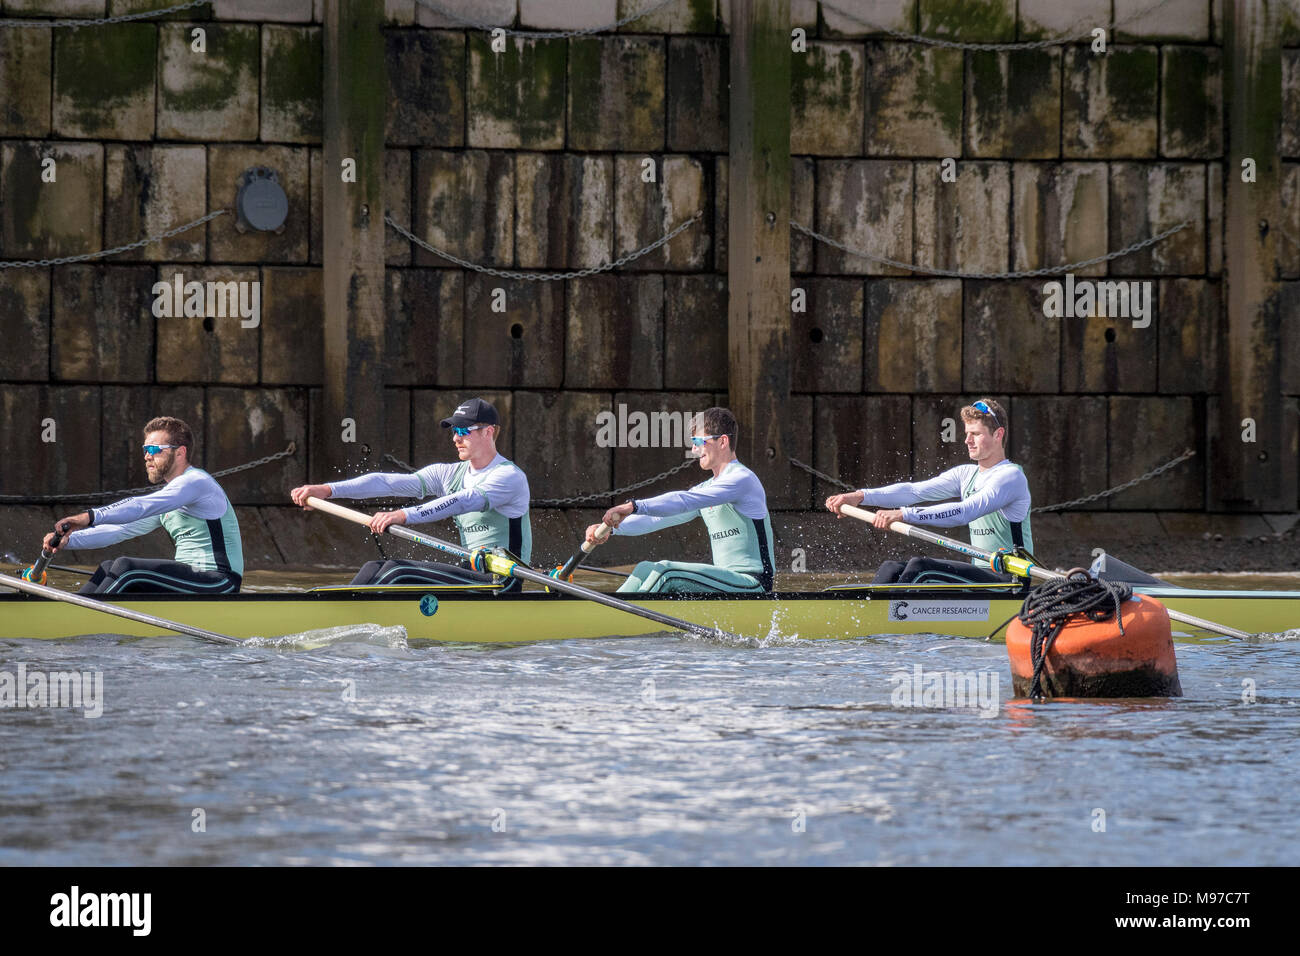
(430, 614)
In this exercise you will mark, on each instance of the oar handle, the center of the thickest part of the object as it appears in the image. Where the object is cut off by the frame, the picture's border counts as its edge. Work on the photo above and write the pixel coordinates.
(601, 535)
(37, 571)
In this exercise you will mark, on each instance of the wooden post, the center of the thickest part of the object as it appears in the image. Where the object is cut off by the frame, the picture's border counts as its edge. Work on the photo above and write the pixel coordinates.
(355, 96)
(1258, 475)
(758, 240)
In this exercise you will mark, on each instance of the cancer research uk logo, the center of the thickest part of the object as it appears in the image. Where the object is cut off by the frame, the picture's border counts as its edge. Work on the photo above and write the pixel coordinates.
(946, 690)
(36, 689)
(642, 430)
(1107, 299)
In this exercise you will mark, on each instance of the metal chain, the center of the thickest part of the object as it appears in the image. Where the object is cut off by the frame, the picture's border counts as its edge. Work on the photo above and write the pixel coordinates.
(956, 45)
(615, 493)
(104, 21)
(544, 276)
(1021, 274)
(139, 243)
(540, 34)
(130, 492)
(1118, 488)
(1056, 507)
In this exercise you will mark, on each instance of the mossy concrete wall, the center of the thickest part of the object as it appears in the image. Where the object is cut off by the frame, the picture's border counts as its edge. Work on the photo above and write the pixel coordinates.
(536, 158)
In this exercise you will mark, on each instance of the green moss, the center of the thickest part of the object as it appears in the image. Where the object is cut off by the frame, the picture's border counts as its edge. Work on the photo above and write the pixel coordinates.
(293, 71)
(523, 86)
(701, 18)
(22, 190)
(361, 59)
(939, 77)
(823, 80)
(98, 70)
(1188, 109)
(972, 20)
(213, 79)
(988, 81)
(1131, 82)
(1032, 75)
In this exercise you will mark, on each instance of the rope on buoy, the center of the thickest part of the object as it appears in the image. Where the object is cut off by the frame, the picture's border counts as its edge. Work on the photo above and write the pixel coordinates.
(1049, 607)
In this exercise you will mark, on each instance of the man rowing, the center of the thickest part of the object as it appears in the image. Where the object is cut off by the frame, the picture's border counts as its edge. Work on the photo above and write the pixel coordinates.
(484, 493)
(733, 506)
(994, 502)
(190, 506)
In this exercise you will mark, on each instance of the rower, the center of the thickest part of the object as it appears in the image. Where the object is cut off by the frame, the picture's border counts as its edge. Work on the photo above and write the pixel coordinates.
(994, 503)
(484, 493)
(190, 506)
(733, 506)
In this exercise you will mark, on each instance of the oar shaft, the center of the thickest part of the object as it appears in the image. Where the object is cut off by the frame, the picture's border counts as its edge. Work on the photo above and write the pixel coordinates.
(602, 533)
(1018, 565)
(40, 590)
(507, 568)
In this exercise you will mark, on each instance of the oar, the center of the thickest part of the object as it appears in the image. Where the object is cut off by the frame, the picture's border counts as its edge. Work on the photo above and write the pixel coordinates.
(40, 590)
(586, 548)
(588, 567)
(508, 567)
(1016, 565)
(36, 573)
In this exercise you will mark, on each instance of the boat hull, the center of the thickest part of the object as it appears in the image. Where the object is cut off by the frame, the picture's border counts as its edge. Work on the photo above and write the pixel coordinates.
(459, 616)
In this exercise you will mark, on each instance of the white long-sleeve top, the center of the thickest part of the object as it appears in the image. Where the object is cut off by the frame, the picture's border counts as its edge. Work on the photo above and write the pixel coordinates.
(500, 486)
(193, 492)
(1002, 488)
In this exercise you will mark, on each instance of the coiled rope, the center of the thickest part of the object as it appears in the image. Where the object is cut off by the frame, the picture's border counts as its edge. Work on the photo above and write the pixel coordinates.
(1049, 607)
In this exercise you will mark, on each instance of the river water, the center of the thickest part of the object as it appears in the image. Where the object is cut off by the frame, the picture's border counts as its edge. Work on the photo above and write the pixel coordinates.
(354, 747)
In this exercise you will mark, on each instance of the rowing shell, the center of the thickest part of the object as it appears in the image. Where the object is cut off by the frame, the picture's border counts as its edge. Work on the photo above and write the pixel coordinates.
(474, 614)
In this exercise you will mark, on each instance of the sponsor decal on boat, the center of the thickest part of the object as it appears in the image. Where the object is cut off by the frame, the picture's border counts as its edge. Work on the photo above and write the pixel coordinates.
(945, 690)
(79, 689)
(938, 610)
(75, 908)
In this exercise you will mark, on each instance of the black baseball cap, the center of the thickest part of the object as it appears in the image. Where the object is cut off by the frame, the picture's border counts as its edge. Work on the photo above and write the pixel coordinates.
(476, 411)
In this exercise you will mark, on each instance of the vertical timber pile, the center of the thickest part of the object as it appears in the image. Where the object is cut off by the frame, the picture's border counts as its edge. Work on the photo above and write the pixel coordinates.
(1259, 475)
(355, 96)
(758, 239)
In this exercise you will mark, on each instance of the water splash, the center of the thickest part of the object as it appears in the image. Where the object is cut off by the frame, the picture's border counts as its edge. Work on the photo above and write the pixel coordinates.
(1278, 637)
(393, 637)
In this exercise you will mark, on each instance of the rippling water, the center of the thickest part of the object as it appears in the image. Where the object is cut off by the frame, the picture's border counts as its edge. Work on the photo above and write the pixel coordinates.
(355, 748)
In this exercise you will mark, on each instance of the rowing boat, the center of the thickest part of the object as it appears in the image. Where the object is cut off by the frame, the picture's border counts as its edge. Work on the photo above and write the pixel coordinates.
(476, 614)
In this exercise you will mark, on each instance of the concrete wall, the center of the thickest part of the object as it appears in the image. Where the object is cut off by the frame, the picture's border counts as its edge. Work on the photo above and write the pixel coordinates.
(532, 159)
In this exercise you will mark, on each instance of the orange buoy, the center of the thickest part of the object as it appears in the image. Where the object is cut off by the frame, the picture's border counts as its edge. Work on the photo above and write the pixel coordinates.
(1089, 656)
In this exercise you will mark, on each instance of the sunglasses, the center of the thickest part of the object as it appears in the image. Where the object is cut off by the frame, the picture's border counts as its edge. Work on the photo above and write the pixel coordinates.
(984, 407)
(154, 449)
(699, 440)
(463, 432)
